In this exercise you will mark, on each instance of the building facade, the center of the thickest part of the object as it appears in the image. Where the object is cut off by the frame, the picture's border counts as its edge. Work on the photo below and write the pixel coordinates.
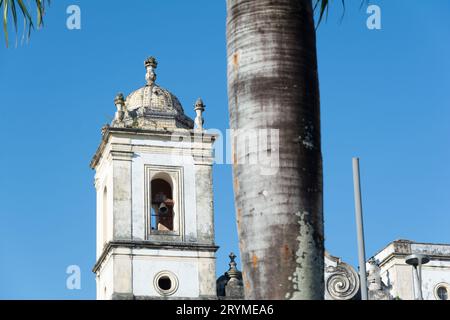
(398, 277)
(390, 277)
(153, 178)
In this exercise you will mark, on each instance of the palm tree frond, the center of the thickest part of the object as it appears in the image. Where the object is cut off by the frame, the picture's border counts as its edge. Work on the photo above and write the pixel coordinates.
(5, 20)
(14, 13)
(11, 8)
(322, 5)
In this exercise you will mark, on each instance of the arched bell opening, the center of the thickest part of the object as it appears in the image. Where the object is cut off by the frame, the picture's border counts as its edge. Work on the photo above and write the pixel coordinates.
(162, 204)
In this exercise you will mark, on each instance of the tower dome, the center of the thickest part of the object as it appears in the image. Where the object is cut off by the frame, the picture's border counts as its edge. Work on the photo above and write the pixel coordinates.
(150, 107)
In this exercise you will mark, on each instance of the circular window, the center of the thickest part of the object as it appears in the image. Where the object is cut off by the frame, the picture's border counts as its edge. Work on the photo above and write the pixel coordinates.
(441, 291)
(166, 283)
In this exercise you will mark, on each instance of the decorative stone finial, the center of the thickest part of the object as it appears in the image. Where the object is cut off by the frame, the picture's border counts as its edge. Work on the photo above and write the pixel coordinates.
(119, 101)
(234, 287)
(377, 289)
(232, 258)
(199, 121)
(233, 271)
(150, 64)
(374, 277)
(104, 129)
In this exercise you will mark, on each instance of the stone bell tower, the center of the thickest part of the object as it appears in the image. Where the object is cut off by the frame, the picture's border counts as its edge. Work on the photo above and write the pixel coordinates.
(153, 177)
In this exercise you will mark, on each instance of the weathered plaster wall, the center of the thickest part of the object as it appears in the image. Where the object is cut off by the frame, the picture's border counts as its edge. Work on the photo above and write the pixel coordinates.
(399, 276)
(130, 271)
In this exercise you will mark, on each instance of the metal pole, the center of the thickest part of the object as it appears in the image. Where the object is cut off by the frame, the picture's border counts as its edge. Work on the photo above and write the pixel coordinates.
(419, 272)
(416, 284)
(360, 229)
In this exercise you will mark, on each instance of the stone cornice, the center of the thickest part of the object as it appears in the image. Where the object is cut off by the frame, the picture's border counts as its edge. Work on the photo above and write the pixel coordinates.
(394, 255)
(129, 296)
(122, 155)
(131, 244)
(402, 248)
(109, 131)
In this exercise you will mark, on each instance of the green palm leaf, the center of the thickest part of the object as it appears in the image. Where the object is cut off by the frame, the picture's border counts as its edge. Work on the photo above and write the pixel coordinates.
(323, 5)
(11, 9)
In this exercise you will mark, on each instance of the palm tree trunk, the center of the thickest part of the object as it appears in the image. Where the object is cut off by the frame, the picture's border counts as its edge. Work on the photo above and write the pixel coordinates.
(273, 84)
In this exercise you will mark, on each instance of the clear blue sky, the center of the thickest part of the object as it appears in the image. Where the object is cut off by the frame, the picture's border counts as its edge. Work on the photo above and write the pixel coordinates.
(385, 97)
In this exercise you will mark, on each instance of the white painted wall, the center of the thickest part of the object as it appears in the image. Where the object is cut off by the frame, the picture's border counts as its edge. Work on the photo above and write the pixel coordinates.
(400, 278)
(122, 169)
(140, 160)
(105, 281)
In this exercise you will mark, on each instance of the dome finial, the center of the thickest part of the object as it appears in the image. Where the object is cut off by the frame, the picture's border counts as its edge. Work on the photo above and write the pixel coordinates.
(150, 64)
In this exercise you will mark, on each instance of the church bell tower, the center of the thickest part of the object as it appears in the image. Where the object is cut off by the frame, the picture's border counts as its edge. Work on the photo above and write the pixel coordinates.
(153, 178)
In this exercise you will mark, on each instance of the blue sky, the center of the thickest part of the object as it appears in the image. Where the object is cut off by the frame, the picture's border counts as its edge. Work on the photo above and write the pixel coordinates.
(385, 98)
